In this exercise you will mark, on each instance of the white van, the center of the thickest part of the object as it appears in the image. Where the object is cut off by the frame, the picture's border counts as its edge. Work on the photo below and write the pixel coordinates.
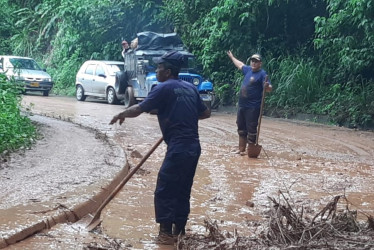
(28, 72)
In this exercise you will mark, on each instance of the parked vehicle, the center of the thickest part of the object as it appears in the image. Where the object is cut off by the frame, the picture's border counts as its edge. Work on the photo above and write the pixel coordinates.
(27, 72)
(139, 76)
(98, 79)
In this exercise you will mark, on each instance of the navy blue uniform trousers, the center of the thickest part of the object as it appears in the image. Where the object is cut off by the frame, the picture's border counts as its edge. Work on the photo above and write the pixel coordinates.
(247, 121)
(174, 182)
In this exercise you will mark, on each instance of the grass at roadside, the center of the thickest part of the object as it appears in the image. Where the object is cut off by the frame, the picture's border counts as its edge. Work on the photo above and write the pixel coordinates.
(302, 86)
(16, 130)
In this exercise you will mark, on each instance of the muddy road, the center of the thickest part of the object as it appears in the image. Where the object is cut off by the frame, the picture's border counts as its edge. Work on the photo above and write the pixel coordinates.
(310, 163)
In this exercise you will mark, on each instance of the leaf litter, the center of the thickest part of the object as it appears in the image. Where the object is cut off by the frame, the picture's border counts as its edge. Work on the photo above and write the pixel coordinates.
(290, 227)
(335, 226)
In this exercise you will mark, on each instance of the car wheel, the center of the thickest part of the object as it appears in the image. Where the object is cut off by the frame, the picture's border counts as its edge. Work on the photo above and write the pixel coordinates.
(46, 93)
(80, 93)
(111, 96)
(129, 97)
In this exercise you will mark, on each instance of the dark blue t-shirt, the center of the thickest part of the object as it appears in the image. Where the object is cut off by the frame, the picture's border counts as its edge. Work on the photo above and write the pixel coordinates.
(251, 90)
(179, 106)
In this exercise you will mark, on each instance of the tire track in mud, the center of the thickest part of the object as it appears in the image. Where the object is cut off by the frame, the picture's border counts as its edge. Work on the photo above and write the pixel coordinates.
(300, 154)
(328, 145)
(297, 161)
(231, 177)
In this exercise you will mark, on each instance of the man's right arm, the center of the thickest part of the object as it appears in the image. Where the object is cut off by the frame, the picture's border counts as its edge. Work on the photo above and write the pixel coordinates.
(130, 112)
(236, 62)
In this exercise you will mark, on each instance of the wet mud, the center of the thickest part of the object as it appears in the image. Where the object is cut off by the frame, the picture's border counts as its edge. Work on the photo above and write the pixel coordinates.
(309, 162)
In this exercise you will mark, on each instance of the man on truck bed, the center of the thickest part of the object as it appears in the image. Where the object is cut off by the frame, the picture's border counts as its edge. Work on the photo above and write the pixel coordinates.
(179, 109)
(125, 48)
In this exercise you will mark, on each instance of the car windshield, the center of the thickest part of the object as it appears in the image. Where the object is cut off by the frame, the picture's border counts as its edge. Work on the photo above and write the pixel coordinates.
(113, 68)
(22, 63)
(190, 62)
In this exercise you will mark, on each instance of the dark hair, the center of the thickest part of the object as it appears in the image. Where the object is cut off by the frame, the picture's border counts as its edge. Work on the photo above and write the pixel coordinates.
(174, 69)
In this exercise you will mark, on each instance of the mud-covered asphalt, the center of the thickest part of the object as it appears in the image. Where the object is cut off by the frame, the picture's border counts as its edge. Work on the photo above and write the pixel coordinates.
(310, 163)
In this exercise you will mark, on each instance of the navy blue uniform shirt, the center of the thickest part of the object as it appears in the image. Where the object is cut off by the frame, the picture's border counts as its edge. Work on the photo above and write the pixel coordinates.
(252, 87)
(179, 106)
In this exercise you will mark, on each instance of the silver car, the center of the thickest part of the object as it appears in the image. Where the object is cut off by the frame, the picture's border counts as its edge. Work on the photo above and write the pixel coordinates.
(27, 72)
(98, 79)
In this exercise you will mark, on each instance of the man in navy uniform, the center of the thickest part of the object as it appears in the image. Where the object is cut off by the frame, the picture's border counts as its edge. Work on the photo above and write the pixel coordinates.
(250, 96)
(179, 108)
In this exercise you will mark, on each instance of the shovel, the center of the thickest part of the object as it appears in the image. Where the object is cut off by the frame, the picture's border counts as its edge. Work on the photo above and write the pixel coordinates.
(91, 221)
(254, 150)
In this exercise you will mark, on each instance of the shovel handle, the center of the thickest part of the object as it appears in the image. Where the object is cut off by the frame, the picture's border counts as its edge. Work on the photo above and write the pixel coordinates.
(126, 179)
(261, 109)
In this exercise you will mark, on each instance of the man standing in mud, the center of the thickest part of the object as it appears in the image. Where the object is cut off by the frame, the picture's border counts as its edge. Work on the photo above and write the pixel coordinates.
(250, 96)
(179, 109)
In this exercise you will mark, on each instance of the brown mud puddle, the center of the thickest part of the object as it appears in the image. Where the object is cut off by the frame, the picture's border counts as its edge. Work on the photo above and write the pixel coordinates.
(311, 163)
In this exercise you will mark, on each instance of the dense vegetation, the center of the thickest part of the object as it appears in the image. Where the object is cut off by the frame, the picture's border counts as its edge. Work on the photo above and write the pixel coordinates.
(319, 53)
(16, 130)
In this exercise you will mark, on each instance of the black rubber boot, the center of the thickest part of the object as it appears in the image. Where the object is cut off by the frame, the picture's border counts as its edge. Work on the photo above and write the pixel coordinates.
(179, 228)
(242, 143)
(165, 236)
(251, 138)
(166, 228)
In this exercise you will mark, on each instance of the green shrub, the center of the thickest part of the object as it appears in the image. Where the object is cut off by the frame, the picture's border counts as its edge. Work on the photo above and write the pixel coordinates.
(64, 75)
(16, 130)
(350, 105)
(297, 83)
(300, 85)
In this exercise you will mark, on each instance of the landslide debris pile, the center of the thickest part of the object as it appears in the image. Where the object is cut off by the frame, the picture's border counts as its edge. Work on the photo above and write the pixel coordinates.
(292, 228)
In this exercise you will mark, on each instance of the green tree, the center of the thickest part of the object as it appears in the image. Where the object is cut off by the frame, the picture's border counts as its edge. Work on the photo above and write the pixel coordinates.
(6, 26)
(308, 46)
(272, 28)
(64, 33)
(346, 39)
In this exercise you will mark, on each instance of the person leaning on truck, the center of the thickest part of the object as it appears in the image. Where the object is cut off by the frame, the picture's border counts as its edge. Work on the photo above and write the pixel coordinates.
(125, 48)
(179, 109)
(250, 96)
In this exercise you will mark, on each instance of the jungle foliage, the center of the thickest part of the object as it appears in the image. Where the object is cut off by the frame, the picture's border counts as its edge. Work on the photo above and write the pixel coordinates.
(16, 130)
(318, 53)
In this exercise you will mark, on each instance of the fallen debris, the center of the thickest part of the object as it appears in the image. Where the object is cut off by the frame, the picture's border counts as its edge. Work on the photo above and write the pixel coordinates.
(291, 228)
